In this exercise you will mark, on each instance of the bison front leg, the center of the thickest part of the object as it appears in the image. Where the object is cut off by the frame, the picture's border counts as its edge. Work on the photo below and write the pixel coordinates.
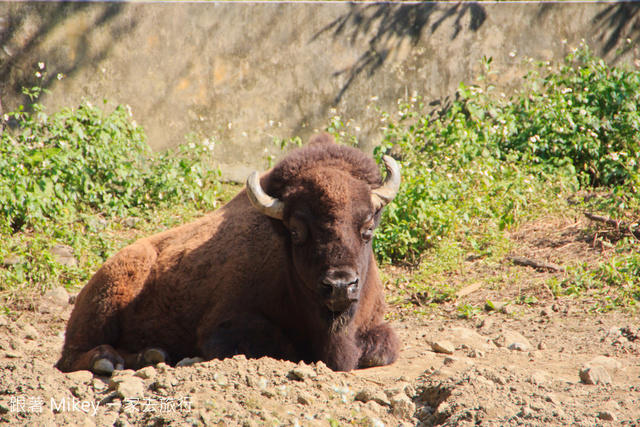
(254, 338)
(380, 346)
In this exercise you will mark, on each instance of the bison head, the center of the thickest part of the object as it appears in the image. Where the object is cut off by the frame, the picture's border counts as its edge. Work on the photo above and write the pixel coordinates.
(329, 208)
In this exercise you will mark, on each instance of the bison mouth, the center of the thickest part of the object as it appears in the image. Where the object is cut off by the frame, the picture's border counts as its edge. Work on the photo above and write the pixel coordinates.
(338, 321)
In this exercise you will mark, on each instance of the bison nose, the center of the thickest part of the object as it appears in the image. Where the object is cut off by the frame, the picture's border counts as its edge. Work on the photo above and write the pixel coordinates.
(340, 288)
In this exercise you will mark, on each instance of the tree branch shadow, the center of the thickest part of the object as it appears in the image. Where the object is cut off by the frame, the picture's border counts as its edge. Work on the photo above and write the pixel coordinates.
(616, 23)
(392, 23)
(21, 53)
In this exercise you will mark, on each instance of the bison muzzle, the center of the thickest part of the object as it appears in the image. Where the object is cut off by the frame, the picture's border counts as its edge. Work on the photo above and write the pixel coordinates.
(285, 269)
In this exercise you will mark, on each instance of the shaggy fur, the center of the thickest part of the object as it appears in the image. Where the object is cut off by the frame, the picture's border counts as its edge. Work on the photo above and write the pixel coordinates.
(236, 282)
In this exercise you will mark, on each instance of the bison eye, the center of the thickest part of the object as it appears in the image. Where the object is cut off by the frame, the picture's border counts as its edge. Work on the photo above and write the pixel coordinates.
(367, 230)
(298, 232)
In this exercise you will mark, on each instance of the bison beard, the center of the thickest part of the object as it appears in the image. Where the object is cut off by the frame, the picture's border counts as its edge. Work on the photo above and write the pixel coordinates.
(211, 289)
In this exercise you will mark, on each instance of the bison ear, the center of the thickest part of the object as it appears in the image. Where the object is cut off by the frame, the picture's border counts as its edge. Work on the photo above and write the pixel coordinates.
(266, 204)
(322, 138)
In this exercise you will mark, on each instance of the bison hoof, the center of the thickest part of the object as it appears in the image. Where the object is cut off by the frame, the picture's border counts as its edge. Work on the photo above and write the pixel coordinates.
(153, 356)
(105, 367)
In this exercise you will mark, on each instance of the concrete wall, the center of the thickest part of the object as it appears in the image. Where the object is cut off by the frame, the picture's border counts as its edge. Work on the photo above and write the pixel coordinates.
(247, 72)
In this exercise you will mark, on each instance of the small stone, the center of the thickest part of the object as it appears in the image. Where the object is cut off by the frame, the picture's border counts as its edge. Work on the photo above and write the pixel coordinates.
(595, 375)
(98, 384)
(302, 372)
(146, 373)
(497, 306)
(400, 387)
(539, 377)
(219, 378)
(542, 345)
(80, 376)
(12, 260)
(63, 254)
(53, 300)
(507, 338)
(258, 382)
(304, 399)
(607, 416)
(526, 412)
(449, 360)
(517, 346)
(58, 295)
(478, 354)
(402, 406)
(443, 346)
(609, 363)
(127, 386)
(368, 395)
(162, 368)
(189, 361)
(373, 407)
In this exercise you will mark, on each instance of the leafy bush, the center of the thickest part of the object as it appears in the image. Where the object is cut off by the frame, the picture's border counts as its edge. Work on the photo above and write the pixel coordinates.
(584, 114)
(69, 177)
(85, 160)
(474, 169)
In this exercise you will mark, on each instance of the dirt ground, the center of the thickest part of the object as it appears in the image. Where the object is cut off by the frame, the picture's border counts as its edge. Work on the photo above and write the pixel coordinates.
(551, 362)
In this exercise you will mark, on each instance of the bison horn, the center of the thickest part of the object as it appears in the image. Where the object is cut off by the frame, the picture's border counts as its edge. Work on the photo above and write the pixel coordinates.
(266, 204)
(387, 191)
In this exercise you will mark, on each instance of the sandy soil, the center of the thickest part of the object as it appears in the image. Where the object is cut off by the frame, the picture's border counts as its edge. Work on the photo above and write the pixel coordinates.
(553, 362)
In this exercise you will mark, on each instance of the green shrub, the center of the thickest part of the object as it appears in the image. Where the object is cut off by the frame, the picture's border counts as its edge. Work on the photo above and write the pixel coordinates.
(88, 160)
(585, 114)
(475, 168)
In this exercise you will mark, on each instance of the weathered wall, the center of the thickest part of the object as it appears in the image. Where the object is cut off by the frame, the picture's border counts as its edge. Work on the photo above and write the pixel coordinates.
(246, 72)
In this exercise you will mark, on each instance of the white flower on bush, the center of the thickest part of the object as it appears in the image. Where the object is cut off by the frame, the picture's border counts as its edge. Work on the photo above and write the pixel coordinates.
(615, 157)
(41, 65)
(566, 90)
(199, 182)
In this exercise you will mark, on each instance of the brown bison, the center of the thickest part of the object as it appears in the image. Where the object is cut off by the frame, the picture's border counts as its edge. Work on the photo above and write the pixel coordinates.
(285, 270)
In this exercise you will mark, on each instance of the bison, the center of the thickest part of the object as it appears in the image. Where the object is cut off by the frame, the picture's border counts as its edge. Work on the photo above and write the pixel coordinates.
(285, 269)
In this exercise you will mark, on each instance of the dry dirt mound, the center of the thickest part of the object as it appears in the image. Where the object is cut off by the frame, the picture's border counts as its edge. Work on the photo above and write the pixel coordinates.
(553, 362)
(520, 369)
